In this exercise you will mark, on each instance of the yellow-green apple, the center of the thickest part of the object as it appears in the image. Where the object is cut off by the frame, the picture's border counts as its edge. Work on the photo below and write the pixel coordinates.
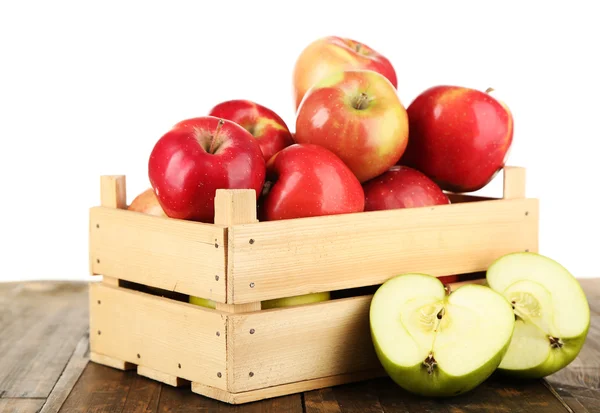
(402, 187)
(357, 115)
(331, 54)
(263, 123)
(147, 203)
(551, 311)
(305, 180)
(198, 156)
(274, 303)
(459, 137)
(435, 342)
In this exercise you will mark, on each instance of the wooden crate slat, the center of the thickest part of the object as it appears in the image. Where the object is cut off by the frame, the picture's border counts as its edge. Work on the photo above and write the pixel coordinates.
(292, 257)
(166, 334)
(274, 347)
(174, 255)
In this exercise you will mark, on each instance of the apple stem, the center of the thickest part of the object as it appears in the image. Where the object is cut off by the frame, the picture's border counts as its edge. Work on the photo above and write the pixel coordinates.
(489, 90)
(361, 101)
(216, 136)
(357, 47)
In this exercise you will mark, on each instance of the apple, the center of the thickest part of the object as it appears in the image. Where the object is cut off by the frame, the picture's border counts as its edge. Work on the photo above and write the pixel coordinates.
(437, 343)
(331, 54)
(305, 180)
(459, 137)
(296, 300)
(551, 311)
(147, 203)
(402, 187)
(263, 123)
(357, 115)
(198, 156)
(274, 303)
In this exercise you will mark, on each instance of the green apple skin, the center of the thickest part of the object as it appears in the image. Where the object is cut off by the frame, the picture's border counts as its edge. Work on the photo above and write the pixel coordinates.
(203, 302)
(557, 361)
(296, 300)
(440, 384)
(537, 269)
(275, 303)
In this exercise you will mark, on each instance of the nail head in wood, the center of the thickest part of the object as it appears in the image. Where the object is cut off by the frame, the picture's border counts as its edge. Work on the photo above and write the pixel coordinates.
(97, 225)
(251, 241)
(138, 355)
(251, 374)
(216, 278)
(219, 374)
(98, 260)
(99, 302)
(179, 365)
(218, 334)
(99, 332)
(251, 285)
(252, 331)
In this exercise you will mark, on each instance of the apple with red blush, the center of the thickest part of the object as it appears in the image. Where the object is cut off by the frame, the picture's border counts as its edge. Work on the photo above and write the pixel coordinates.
(198, 156)
(402, 187)
(267, 127)
(458, 136)
(331, 54)
(305, 180)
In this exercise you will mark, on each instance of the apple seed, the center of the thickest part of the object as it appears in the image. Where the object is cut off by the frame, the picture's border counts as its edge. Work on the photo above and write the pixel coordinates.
(430, 363)
(555, 342)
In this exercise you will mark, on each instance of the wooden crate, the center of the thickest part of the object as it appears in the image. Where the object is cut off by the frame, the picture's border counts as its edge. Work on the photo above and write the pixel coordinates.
(237, 352)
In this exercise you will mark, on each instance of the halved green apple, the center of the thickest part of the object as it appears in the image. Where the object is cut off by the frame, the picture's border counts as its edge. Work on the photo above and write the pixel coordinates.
(551, 312)
(438, 343)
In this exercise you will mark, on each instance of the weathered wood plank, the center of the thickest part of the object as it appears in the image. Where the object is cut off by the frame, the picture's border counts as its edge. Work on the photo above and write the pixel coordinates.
(100, 389)
(321, 401)
(359, 397)
(40, 325)
(69, 377)
(177, 400)
(20, 405)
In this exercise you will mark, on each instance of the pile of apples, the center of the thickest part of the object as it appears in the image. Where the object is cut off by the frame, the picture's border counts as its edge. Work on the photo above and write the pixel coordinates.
(355, 148)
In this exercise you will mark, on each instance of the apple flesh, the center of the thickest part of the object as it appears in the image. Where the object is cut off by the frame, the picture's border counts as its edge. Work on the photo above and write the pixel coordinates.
(147, 203)
(267, 127)
(459, 137)
(275, 303)
(551, 312)
(198, 156)
(357, 115)
(331, 54)
(402, 187)
(437, 343)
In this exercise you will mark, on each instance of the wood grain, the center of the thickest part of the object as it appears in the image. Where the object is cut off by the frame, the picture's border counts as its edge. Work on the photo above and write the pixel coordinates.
(274, 347)
(40, 325)
(179, 339)
(175, 255)
(69, 377)
(291, 257)
(21, 405)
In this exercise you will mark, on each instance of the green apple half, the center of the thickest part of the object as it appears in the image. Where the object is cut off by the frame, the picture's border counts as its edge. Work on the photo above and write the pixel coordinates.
(275, 303)
(438, 343)
(551, 312)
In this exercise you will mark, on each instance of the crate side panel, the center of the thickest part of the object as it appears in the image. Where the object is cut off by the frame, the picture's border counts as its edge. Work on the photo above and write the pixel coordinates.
(286, 345)
(181, 256)
(166, 334)
(292, 257)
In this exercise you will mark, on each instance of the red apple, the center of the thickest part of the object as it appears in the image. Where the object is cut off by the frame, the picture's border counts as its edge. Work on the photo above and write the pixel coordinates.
(459, 137)
(358, 115)
(147, 203)
(263, 123)
(306, 180)
(402, 187)
(198, 156)
(331, 54)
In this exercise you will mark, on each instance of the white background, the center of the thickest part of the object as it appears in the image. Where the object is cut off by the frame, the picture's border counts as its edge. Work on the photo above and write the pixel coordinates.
(86, 88)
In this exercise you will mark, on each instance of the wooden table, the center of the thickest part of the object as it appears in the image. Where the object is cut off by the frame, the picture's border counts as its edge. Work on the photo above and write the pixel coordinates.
(44, 368)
